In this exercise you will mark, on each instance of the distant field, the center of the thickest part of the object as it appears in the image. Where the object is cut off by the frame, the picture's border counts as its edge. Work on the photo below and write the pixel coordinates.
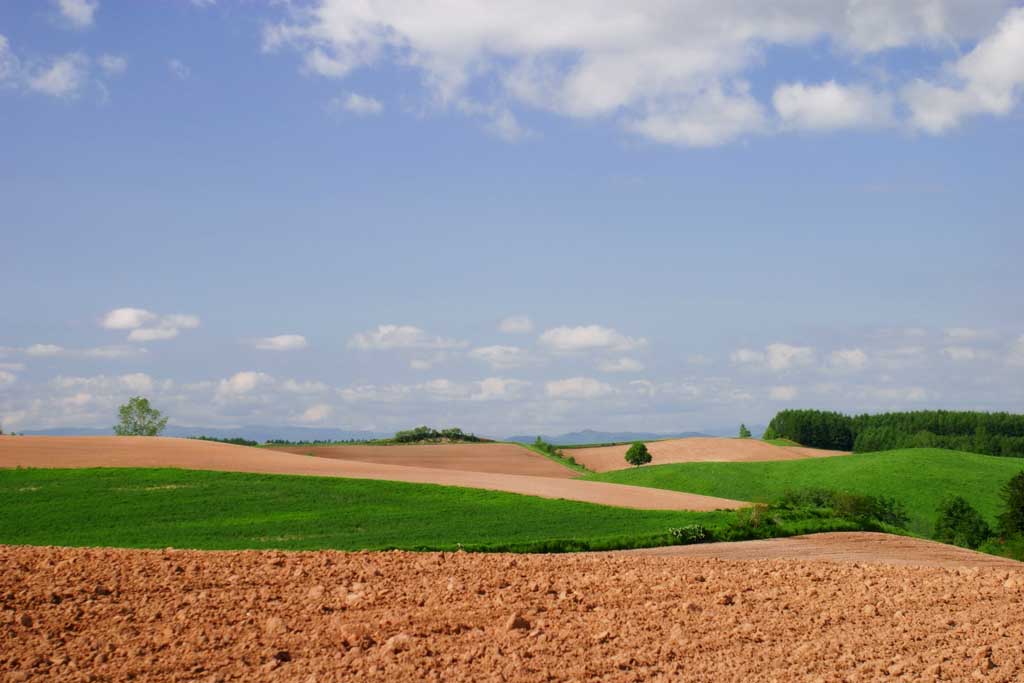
(919, 478)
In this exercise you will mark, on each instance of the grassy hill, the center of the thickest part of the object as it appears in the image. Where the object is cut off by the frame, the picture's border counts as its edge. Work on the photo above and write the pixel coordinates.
(920, 478)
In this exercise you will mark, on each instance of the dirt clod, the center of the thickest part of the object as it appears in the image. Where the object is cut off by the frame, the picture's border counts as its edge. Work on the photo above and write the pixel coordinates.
(517, 622)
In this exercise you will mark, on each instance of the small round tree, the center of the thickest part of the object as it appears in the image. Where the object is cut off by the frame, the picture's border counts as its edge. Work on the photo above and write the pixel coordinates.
(744, 432)
(1012, 519)
(638, 454)
(138, 418)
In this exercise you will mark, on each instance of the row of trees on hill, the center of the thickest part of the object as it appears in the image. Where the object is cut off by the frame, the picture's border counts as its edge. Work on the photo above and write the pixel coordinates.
(421, 434)
(988, 433)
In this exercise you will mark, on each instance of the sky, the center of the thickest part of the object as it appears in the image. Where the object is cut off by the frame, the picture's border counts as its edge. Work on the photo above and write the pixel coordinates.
(526, 217)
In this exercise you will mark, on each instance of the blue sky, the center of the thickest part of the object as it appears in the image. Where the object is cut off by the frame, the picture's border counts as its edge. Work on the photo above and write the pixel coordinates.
(324, 213)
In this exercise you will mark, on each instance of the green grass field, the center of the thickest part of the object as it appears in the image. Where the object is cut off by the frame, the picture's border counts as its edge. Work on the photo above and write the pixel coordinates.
(781, 442)
(193, 509)
(919, 478)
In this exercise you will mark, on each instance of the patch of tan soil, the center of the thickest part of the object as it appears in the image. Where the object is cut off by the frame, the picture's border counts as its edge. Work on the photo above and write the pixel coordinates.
(867, 547)
(695, 449)
(114, 615)
(127, 451)
(498, 458)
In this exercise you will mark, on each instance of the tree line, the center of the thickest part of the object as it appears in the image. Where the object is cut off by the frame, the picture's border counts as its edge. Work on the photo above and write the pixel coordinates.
(988, 433)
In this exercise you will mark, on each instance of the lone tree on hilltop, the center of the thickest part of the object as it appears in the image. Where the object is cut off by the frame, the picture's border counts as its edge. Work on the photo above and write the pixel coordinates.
(1012, 520)
(138, 418)
(744, 432)
(638, 454)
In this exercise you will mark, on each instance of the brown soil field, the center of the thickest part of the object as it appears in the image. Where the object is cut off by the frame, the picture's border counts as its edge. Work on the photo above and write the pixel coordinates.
(865, 547)
(126, 451)
(498, 458)
(695, 449)
(115, 615)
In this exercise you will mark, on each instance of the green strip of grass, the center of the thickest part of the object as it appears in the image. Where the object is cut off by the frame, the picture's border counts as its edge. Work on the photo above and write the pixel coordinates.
(782, 442)
(561, 460)
(157, 508)
(920, 478)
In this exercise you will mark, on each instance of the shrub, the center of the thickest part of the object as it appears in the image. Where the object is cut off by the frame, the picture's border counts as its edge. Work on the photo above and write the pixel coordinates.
(638, 454)
(856, 506)
(752, 522)
(960, 524)
(691, 533)
(1012, 519)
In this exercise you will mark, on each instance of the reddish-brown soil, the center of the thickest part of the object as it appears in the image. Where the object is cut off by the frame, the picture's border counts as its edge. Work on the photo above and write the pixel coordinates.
(115, 615)
(497, 458)
(695, 449)
(872, 548)
(126, 451)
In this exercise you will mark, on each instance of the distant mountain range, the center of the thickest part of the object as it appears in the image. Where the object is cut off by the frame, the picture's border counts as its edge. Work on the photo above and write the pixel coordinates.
(592, 436)
(254, 432)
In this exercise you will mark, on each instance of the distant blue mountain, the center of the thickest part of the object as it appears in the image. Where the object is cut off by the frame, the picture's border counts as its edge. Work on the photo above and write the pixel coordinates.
(592, 436)
(254, 432)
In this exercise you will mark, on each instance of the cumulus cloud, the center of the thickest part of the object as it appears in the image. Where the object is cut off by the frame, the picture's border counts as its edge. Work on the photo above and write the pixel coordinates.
(9, 65)
(306, 387)
(967, 334)
(501, 356)
(354, 103)
(848, 359)
(498, 388)
(830, 106)
(387, 337)
(589, 337)
(282, 342)
(179, 69)
(577, 388)
(78, 13)
(44, 350)
(987, 80)
(316, 413)
(64, 77)
(783, 393)
(242, 383)
(516, 324)
(775, 357)
(1016, 355)
(113, 65)
(961, 353)
(673, 72)
(148, 326)
(7, 378)
(621, 365)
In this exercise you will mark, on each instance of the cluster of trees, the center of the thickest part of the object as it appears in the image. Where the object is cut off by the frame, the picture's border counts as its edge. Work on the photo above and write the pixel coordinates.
(238, 441)
(420, 434)
(960, 524)
(988, 433)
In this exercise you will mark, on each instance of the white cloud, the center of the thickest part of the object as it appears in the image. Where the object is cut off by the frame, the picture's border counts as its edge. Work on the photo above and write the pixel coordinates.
(242, 383)
(961, 353)
(9, 66)
(421, 364)
(830, 106)
(113, 65)
(775, 357)
(360, 105)
(78, 13)
(400, 337)
(848, 359)
(307, 387)
(157, 327)
(7, 378)
(673, 72)
(987, 80)
(501, 356)
(783, 393)
(498, 388)
(589, 337)
(64, 77)
(966, 334)
(577, 388)
(282, 342)
(44, 350)
(179, 69)
(621, 365)
(902, 356)
(316, 413)
(113, 352)
(516, 324)
(1016, 356)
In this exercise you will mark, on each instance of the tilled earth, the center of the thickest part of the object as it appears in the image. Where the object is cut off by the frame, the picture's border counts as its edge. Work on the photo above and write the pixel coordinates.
(114, 615)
